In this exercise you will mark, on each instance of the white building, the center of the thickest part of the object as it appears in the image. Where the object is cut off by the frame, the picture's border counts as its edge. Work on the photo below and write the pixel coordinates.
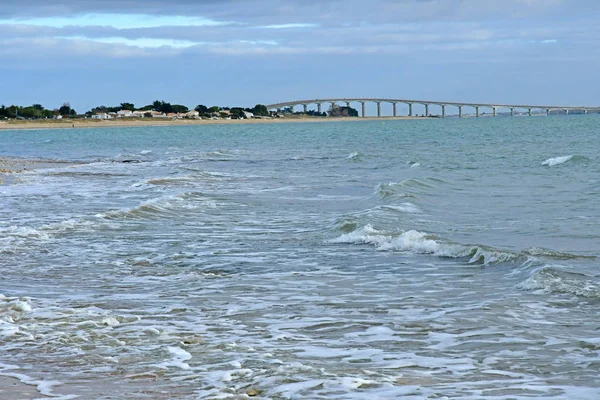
(124, 113)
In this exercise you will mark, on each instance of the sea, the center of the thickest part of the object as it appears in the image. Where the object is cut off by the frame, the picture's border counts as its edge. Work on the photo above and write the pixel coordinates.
(396, 259)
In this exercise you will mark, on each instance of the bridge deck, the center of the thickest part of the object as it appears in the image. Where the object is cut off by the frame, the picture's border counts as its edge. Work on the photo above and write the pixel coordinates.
(428, 102)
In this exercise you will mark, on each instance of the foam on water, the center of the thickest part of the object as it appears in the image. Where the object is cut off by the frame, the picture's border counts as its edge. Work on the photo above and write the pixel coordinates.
(557, 280)
(355, 156)
(551, 162)
(16, 238)
(165, 278)
(423, 243)
(164, 207)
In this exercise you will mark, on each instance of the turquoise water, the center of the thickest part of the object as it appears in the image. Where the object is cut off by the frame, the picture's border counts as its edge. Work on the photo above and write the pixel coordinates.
(406, 259)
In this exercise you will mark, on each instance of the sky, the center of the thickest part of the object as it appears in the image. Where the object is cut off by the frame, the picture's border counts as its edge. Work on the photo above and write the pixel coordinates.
(247, 52)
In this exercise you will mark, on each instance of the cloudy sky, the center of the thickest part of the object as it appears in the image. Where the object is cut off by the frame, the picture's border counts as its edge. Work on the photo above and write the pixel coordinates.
(243, 52)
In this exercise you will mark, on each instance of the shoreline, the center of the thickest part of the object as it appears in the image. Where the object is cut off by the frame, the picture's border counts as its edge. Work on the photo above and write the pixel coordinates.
(148, 122)
(15, 389)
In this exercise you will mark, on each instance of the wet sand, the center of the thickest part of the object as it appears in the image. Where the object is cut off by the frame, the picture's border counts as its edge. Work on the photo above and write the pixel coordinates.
(125, 122)
(14, 389)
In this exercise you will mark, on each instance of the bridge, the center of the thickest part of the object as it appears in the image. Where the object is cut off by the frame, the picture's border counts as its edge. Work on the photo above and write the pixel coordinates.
(427, 104)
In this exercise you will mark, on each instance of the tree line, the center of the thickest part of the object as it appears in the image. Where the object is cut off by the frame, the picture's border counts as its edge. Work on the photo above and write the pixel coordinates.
(37, 111)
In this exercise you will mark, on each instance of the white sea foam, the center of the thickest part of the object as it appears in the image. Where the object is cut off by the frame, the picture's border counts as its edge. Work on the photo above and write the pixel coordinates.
(23, 232)
(163, 206)
(178, 360)
(557, 160)
(554, 279)
(355, 156)
(423, 243)
(407, 207)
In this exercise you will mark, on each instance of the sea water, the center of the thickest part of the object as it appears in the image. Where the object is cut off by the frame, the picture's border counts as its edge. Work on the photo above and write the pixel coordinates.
(342, 260)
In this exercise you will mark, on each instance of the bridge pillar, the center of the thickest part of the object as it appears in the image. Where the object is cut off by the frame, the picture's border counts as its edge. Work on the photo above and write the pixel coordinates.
(567, 111)
(477, 111)
(379, 109)
(363, 109)
(395, 114)
(529, 112)
(495, 111)
(305, 106)
(333, 105)
(348, 104)
(547, 111)
(410, 110)
(584, 112)
(512, 112)
(319, 108)
(443, 111)
(459, 111)
(426, 109)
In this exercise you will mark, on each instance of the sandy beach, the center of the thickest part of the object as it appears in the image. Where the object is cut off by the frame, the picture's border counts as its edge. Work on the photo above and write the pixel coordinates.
(14, 389)
(145, 122)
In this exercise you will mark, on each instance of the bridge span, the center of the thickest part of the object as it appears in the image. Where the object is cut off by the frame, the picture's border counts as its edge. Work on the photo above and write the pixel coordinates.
(428, 103)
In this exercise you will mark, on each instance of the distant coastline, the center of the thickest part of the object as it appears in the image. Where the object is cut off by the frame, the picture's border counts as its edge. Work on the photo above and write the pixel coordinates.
(148, 122)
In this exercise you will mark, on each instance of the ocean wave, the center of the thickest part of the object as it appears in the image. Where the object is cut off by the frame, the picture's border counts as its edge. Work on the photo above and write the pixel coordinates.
(163, 207)
(423, 243)
(187, 179)
(551, 162)
(554, 280)
(407, 207)
(554, 254)
(399, 189)
(355, 156)
(13, 238)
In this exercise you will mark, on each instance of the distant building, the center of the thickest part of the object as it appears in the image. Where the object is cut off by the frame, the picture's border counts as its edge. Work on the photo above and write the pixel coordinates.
(248, 115)
(124, 113)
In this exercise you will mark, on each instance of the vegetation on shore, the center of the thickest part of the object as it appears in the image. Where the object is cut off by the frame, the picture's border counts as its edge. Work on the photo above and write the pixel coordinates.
(37, 111)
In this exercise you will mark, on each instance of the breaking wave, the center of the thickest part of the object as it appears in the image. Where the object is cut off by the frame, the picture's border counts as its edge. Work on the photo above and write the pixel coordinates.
(554, 254)
(399, 189)
(551, 162)
(423, 243)
(356, 156)
(164, 207)
(555, 280)
(13, 238)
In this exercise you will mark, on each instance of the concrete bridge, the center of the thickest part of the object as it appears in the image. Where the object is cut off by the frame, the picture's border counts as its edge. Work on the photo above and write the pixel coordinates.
(427, 104)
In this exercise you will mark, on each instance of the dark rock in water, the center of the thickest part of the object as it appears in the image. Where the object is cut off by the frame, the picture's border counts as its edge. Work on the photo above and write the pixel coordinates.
(129, 161)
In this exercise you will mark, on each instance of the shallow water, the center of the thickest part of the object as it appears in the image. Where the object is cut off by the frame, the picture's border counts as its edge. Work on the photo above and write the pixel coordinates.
(411, 259)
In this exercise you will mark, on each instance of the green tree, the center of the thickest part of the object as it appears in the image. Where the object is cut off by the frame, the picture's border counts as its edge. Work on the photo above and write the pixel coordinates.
(214, 109)
(127, 106)
(178, 108)
(159, 105)
(260, 109)
(201, 108)
(65, 109)
(237, 112)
